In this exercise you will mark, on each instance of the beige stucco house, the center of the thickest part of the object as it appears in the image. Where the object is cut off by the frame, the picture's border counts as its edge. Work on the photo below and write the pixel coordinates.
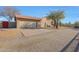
(31, 22)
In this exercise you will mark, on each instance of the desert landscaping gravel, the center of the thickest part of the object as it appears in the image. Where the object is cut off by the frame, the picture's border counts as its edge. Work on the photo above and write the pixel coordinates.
(35, 40)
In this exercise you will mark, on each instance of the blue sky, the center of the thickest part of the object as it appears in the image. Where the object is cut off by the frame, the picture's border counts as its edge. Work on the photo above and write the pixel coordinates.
(71, 12)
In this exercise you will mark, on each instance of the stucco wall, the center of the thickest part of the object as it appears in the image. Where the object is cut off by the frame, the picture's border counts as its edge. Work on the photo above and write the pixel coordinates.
(26, 24)
(44, 23)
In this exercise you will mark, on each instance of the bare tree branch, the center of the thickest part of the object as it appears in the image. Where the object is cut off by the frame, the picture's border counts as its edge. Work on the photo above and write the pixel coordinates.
(9, 12)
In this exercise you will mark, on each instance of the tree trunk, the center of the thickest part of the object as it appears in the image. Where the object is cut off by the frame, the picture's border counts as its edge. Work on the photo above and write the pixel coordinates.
(56, 24)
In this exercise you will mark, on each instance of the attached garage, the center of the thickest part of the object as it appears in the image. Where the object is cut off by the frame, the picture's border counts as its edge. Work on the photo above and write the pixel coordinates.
(27, 22)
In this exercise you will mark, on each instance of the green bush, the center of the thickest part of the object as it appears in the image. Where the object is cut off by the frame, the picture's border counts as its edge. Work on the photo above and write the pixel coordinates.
(76, 24)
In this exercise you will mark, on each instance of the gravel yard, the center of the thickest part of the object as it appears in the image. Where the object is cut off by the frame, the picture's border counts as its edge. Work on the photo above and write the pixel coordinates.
(35, 40)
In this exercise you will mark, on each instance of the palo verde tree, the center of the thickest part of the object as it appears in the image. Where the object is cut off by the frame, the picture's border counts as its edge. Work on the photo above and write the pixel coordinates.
(56, 16)
(9, 12)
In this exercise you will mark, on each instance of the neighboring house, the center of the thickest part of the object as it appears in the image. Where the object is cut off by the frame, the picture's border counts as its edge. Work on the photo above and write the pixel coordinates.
(6, 24)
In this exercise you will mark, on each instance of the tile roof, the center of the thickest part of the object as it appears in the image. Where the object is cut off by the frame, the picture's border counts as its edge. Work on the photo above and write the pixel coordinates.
(28, 17)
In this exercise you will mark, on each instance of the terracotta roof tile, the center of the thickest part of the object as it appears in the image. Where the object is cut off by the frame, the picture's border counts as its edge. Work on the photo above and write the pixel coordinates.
(28, 17)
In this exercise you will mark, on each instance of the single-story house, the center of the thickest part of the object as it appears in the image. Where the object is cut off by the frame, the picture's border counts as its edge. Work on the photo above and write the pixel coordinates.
(31, 22)
(28, 22)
